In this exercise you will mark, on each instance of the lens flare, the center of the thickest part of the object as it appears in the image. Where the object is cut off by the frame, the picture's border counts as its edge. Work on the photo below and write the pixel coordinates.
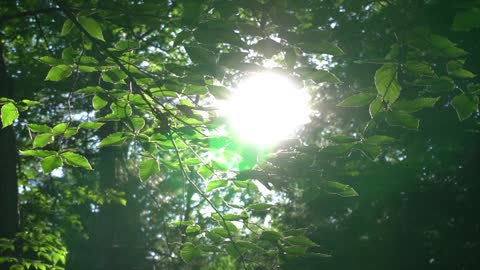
(266, 108)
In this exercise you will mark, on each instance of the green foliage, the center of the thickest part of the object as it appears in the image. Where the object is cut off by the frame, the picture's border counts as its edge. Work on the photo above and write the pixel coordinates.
(146, 77)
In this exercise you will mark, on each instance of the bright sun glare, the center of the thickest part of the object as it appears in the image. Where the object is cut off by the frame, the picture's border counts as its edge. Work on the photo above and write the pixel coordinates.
(266, 108)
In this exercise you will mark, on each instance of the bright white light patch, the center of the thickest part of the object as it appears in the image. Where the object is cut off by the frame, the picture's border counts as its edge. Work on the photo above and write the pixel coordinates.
(266, 108)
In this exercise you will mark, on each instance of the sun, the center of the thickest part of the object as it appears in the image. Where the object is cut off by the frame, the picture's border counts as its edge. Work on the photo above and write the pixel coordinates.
(266, 108)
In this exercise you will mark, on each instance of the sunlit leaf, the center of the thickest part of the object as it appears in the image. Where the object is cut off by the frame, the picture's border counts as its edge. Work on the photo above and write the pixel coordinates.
(387, 83)
(338, 189)
(58, 73)
(147, 168)
(42, 140)
(50, 163)
(76, 160)
(9, 114)
(357, 100)
(215, 184)
(92, 27)
(116, 138)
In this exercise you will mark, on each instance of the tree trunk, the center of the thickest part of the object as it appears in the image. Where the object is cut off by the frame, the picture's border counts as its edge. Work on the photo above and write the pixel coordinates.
(8, 163)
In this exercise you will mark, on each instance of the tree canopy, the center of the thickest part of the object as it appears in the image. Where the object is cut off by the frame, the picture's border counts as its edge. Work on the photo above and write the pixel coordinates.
(114, 156)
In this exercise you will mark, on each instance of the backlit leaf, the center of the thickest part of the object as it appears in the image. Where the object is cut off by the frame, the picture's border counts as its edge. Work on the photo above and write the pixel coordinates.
(76, 160)
(338, 189)
(387, 83)
(50, 163)
(9, 114)
(402, 119)
(92, 27)
(58, 73)
(42, 140)
(147, 168)
(357, 100)
(215, 184)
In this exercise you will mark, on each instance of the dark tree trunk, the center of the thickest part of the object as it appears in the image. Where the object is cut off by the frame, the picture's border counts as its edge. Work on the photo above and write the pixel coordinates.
(8, 163)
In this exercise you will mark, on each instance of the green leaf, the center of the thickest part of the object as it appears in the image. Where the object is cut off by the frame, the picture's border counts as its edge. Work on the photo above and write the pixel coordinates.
(50, 60)
(260, 206)
(465, 105)
(419, 68)
(9, 114)
(376, 106)
(323, 76)
(16, 267)
(322, 48)
(40, 128)
(91, 125)
(465, 21)
(114, 76)
(193, 229)
(67, 27)
(216, 184)
(387, 83)
(147, 168)
(455, 68)
(219, 92)
(29, 102)
(181, 223)
(199, 55)
(271, 236)
(120, 110)
(137, 122)
(317, 75)
(37, 153)
(415, 105)
(204, 171)
(342, 139)
(357, 100)
(76, 160)
(369, 150)
(98, 102)
(295, 250)
(59, 129)
(90, 90)
(50, 163)
(338, 150)
(116, 138)
(462, 73)
(190, 252)
(58, 73)
(338, 189)
(42, 140)
(91, 26)
(402, 119)
(70, 132)
(220, 231)
(379, 139)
